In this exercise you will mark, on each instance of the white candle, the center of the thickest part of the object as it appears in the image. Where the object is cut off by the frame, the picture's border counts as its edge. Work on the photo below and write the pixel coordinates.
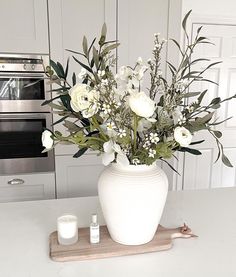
(67, 229)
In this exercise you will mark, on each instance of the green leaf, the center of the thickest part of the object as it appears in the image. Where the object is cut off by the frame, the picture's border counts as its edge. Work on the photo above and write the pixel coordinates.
(72, 127)
(218, 134)
(215, 101)
(215, 107)
(185, 20)
(67, 68)
(73, 79)
(206, 118)
(75, 52)
(171, 65)
(226, 161)
(57, 107)
(170, 166)
(59, 72)
(46, 102)
(90, 47)
(220, 122)
(199, 60)
(201, 96)
(95, 57)
(85, 46)
(80, 152)
(190, 150)
(109, 48)
(177, 44)
(60, 120)
(65, 99)
(191, 94)
(197, 142)
(103, 34)
(83, 65)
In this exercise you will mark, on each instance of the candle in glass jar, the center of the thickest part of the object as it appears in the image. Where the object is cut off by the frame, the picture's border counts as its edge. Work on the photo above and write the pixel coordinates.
(67, 229)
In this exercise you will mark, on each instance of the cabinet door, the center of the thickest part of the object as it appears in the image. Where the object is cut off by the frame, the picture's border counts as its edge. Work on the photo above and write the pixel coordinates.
(24, 26)
(27, 187)
(77, 177)
(138, 21)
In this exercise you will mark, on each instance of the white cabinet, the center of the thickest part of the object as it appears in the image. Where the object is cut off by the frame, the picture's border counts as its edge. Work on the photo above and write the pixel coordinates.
(77, 177)
(27, 187)
(24, 26)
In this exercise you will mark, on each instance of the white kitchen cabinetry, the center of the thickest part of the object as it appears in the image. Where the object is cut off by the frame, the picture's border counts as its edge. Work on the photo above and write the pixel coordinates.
(24, 26)
(27, 187)
(77, 177)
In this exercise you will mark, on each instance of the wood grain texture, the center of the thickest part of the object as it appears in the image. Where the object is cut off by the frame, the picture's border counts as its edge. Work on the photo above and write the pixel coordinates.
(83, 250)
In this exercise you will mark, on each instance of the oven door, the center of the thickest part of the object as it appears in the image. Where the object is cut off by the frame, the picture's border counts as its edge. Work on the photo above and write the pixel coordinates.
(21, 146)
(23, 92)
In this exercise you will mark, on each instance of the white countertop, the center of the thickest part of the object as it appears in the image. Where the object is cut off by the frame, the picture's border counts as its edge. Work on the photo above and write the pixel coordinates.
(25, 227)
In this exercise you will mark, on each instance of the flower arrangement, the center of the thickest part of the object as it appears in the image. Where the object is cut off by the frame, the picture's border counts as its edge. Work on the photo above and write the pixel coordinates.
(112, 114)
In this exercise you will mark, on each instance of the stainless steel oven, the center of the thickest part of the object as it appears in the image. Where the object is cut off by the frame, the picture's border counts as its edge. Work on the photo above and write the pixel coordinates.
(20, 143)
(23, 88)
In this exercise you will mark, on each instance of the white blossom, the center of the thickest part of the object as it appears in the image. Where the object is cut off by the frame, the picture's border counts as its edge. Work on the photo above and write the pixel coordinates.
(106, 108)
(104, 82)
(135, 161)
(84, 100)
(82, 74)
(152, 153)
(182, 136)
(47, 140)
(154, 138)
(111, 126)
(110, 149)
(101, 73)
(139, 60)
(122, 133)
(141, 104)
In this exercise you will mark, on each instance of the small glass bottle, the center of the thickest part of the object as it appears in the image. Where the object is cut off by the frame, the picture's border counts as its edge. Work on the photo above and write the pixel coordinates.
(94, 230)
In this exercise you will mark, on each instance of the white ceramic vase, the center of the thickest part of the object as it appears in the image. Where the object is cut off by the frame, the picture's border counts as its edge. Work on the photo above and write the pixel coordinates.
(132, 200)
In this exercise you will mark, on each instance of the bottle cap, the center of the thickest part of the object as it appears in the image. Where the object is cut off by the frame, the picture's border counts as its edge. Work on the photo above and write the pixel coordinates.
(94, 218)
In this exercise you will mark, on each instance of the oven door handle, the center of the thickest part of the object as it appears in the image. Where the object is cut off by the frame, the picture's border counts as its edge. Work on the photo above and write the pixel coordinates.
(23, 75)
(16, 181)
(45, 115)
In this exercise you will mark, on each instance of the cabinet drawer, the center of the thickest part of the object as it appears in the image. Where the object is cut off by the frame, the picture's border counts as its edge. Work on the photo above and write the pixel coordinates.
(27, 187)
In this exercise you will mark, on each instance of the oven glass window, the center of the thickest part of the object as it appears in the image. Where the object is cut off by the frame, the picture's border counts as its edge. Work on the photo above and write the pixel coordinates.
(21, 138)
(21, 89)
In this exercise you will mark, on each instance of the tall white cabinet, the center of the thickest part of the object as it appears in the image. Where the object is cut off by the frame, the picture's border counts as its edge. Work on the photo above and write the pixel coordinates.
(24, 26)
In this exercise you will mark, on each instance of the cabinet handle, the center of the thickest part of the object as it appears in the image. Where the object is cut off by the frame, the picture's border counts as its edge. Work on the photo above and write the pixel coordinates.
(16, 182)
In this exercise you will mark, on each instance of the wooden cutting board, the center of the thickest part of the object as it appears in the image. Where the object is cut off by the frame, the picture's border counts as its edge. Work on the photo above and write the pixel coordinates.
(83, 250)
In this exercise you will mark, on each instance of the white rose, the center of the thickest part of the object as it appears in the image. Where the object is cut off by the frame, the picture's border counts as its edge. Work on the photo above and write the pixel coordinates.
(84, 100)
(47, 141)
(141, 104)
(182, 136)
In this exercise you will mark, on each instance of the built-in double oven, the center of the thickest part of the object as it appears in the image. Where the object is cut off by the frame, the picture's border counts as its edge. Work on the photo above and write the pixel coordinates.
(23, 89)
